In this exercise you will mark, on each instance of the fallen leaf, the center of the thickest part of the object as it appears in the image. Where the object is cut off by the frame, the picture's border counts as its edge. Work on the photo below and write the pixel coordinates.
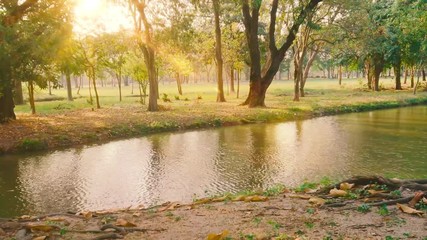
(42, 228)
(337, 193)
(202, 201)
(425, 200)
(124, 223)
(24, 217)
(136, 214)
(306, 197)
(409, 210)
(239, 198)
(256, 198)
(40, 238)
(373, 192)
(317, 201)
(220, 236)
(346, 186)
(220, 199)
(171, 206)
(87, 215)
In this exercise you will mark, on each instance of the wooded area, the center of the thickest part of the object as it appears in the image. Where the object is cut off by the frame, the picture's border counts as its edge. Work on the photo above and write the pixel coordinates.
(259, 40)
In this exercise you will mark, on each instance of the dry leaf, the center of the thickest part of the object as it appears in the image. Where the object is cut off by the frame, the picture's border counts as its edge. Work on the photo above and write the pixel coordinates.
(87, 215)
(256, 198)
(40, 238)
(337, 193)
(317, 201)
(136, 214)
(220, 236)
(373, 192)
(124, 223)
(306, 197)
(346, 186)
(220, 199)
(42, 228)
(171, 206)
(409, 210)
(424, 200)
(202, 201)
(239, 198)
(24, 217)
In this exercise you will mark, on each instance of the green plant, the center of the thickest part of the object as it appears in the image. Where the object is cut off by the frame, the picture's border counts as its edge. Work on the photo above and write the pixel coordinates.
(32, 145)
(311, 210)
(250, 237)
(274, 191)
(364, 208)
(306, 186)
(309, 225)
(396, 193)
(327, 238)
(177, 218)
(275, 225)
(177, 98)
(383, 210)
(169, 214)
(257, 221)
(421, 206)
(165, 98)
(325, 181)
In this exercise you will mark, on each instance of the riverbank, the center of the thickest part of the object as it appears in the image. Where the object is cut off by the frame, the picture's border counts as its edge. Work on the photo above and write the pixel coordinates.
(65, 127)
(357, 208)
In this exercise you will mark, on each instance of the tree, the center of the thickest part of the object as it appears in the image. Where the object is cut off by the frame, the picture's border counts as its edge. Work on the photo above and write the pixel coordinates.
(11, 13)
(31, 42)
(113, 48)
(144, 33)
(138, 72)
(261, 77)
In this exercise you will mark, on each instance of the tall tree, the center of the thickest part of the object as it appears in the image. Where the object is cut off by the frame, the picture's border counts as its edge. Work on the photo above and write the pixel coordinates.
(261, 77)
(11, 13)
(144, 32)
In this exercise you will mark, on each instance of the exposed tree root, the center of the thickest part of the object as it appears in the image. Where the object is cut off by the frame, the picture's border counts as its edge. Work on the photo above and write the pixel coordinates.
(413, 184)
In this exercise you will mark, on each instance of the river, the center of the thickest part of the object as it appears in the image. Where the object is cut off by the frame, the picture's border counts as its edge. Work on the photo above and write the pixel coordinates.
(184, 165)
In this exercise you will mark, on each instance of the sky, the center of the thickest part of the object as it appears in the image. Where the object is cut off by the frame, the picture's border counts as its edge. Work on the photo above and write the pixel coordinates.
(96, 16)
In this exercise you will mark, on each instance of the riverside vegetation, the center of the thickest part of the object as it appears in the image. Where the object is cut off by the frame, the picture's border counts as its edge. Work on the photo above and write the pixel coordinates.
(59, 123)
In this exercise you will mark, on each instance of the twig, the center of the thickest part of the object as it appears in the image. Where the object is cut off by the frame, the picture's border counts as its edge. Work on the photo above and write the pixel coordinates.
(111, 226)
(391, 202)
(109, 236)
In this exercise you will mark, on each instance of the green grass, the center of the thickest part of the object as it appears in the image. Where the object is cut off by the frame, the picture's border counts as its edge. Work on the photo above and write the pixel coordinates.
(323, 96)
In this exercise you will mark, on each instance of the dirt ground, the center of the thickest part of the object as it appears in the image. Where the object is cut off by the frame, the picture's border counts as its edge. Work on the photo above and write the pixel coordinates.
(285, 216)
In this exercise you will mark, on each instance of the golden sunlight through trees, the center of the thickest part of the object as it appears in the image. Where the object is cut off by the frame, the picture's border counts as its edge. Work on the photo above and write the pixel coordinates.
(95, 16)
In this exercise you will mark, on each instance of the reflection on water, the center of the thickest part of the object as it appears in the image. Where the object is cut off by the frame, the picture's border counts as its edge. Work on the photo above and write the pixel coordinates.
(178, 166)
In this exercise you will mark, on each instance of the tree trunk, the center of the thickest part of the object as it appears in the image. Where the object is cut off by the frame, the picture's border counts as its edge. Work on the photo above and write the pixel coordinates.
(369, 72)
(218, 53)
(232, 79)
(424, 74)
(297, 76)
(31, 96)
(119, 81)
(412, 77)
(308, 67)
(69, 88)
(178, 83)
(238, 83)
(6, 104)
(50, 87)
(98, 106)
(340, 74)
(18, 95)
(261, 77)
(406, 75)
(397, 73)
(378, 63)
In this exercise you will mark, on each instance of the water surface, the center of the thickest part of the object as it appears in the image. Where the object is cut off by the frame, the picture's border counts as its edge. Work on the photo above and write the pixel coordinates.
(180, 166)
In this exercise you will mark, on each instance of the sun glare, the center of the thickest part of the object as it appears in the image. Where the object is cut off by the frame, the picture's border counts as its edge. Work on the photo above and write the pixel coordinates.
(96, 16)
